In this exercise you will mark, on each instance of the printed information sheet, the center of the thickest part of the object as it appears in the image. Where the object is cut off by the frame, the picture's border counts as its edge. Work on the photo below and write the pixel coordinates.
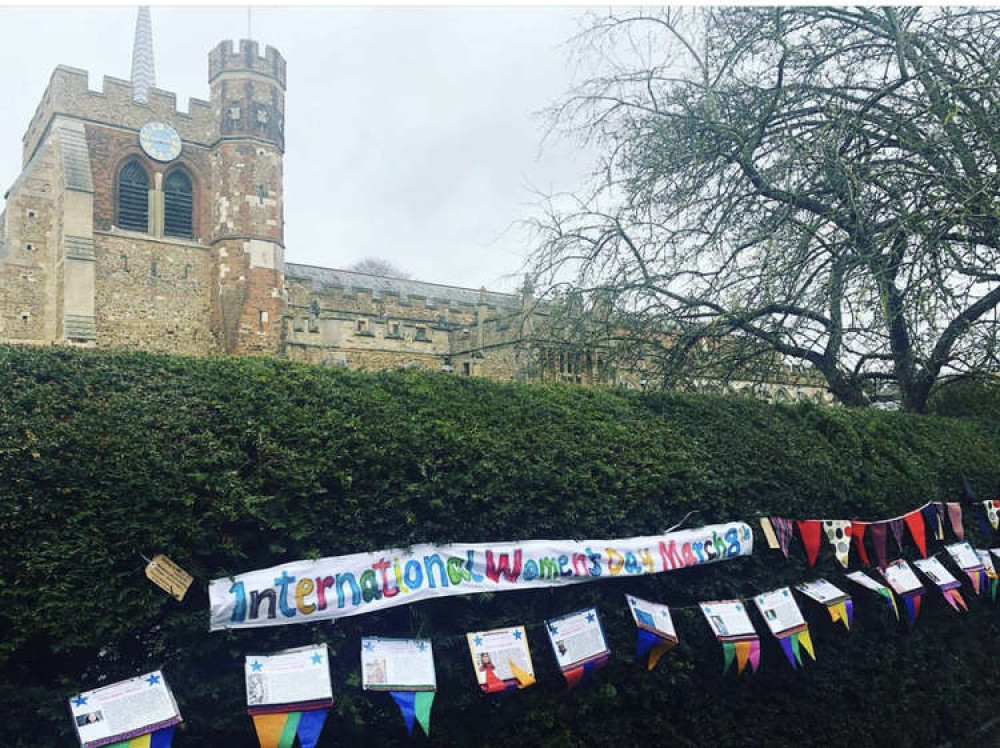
(577, 638)
(779, 610)
(936, 572)
(901, 578)
(728, 619)
(130, 707)
(964, 555)
(652, 616)
(496, 650)
(822, 591)
(866, 581)
(397, 665)
(289, 676)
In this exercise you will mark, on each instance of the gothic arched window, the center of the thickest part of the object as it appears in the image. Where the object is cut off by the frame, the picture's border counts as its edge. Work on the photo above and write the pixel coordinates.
(178, 202)
(133, 197)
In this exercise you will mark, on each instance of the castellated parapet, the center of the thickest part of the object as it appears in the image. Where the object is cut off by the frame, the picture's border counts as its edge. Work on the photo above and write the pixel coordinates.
(246, 59)
(69, 93)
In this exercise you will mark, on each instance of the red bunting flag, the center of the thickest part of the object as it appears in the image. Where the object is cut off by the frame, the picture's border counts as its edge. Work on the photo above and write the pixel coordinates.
(955, 515)
(858, 536)
(809, 531)
(915, 521)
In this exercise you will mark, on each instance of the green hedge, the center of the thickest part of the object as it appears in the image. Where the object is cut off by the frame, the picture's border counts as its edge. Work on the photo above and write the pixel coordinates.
(229, 465)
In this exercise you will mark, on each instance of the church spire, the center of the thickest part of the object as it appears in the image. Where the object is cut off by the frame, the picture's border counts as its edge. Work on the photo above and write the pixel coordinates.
(143, 71)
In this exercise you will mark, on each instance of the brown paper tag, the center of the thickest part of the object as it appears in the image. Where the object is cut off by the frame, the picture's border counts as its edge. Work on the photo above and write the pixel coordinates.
(164, 573)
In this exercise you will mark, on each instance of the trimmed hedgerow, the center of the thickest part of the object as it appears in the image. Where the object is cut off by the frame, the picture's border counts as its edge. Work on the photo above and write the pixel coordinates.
(228, 465)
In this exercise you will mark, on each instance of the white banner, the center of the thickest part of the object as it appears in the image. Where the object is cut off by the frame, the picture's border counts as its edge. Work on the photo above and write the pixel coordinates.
(340, 586)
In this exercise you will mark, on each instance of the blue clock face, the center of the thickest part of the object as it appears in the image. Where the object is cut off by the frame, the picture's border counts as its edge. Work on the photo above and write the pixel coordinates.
(160, 141)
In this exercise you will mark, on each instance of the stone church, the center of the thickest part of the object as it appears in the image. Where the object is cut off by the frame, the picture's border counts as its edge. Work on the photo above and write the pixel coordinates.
(139, 226)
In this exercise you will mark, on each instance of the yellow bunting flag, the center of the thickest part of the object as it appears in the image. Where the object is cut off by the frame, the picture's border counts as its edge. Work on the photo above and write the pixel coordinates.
(658, 651)
(806, 641)
(742, 655)
(140, 742)
(772, 539)
(269, 728)
(838, 612)
(523, 679)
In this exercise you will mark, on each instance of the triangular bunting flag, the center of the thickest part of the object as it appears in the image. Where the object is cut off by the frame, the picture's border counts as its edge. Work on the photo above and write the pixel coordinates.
(786, 647)
(269, 728)
(783, 529)
(646, 641)
(573, 677)
(890, 598)
(858, 537)
(896, 525)
(755, 654)
(291, 728)
(742, 655)
(838, 532)
(406, 700)
(878, 531)
(795, 648)
(729, 653)
(977, 577)
(310, 726)
(915, 522)
(658, 651)
(932, 520)
(163, 738)
(523, 679)
(839, 612)
(141, 741)
(493, 683)
(954, 598)
(422, 709)
(769, 536)
(806, 641)
(955, 515)
(809, 530)
(912, 603)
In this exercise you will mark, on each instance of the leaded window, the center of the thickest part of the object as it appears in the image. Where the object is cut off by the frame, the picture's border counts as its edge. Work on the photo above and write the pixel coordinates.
(177, 205)
(133, 198)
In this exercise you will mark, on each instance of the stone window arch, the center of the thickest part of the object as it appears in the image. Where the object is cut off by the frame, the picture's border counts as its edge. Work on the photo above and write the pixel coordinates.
(133, 197)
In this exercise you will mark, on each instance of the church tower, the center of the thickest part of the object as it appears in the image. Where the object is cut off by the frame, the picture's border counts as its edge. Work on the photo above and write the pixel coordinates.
(248, 100)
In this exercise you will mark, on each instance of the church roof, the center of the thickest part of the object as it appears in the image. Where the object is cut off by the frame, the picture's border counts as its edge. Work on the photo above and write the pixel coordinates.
(379, 286)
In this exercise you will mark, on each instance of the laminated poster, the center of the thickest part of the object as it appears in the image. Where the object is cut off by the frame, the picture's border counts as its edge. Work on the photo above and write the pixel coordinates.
(945, 581)
(964, 555)
(124, 710)
(289, 677)
(901, 578)
(728, 619)
(859, 577)
(780, 611)
(822, 591)
(577, 639)
(652, 617)
(731, 625)
(837, 602)
(785, 620)
(936, 572)
(501, 659)
(397, 665)
(657, 635)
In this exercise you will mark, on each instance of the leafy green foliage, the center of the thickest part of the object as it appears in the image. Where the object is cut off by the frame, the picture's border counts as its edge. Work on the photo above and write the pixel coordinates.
(228, 465)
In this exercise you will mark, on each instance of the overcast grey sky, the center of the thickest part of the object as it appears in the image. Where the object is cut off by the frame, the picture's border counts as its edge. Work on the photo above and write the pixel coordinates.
(411, 133)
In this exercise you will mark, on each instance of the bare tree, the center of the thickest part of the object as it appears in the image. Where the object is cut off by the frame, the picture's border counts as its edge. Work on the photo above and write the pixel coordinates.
(788, 187)
(381, 267)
